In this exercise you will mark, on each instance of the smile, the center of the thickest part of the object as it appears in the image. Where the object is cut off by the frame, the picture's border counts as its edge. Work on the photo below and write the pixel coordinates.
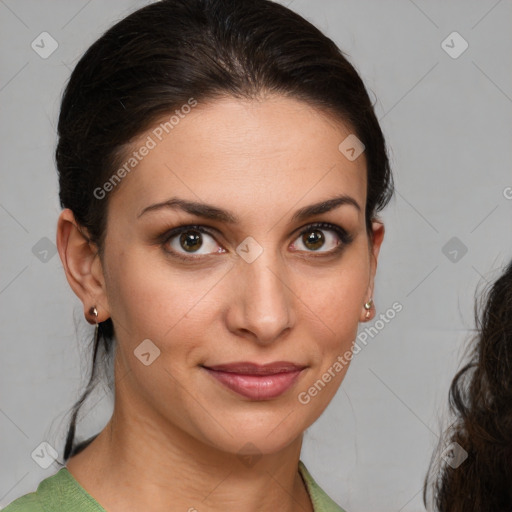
(256, 382)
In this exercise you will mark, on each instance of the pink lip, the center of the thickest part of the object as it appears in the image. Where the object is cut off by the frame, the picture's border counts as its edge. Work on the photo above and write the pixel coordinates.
(257, 382)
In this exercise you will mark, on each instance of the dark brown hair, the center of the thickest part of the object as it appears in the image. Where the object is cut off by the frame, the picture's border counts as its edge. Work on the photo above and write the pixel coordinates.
(157, 58)
(480, 398)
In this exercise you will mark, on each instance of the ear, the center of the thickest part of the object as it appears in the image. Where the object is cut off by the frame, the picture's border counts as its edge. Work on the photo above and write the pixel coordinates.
(377, 238)
(82, 265)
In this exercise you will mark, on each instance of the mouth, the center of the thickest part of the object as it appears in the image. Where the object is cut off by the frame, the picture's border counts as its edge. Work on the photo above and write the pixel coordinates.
(254, 381)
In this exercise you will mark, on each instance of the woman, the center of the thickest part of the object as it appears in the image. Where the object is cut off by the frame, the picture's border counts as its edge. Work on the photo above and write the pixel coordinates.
(221, 170)
(475, 468)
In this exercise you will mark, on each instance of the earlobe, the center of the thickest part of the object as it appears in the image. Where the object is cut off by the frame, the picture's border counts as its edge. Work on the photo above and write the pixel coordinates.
(81, 264)
(368, 307)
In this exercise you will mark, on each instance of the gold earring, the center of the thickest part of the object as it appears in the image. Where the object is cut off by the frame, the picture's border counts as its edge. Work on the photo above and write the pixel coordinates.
(93, 311)
(368, 307)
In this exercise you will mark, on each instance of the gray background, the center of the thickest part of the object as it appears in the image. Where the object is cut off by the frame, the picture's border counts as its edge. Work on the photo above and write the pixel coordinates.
(448, 124)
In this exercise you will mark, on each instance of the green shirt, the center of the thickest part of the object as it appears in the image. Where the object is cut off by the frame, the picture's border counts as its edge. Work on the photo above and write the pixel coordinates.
(62, 493)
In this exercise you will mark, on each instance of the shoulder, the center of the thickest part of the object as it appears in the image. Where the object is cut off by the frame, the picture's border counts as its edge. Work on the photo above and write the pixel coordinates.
(27, 503)
(320, 500)
(45, 498)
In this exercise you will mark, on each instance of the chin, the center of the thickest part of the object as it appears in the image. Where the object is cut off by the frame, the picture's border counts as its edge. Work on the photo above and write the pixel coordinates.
(256, 434)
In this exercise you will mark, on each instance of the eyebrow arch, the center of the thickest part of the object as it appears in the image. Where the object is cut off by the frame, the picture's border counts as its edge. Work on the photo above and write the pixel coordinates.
(213, 213)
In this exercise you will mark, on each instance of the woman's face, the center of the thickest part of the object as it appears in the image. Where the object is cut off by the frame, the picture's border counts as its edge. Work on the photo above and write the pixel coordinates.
(248, 280)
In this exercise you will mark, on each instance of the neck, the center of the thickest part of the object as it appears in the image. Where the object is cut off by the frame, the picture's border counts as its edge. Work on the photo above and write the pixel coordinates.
(141, 464)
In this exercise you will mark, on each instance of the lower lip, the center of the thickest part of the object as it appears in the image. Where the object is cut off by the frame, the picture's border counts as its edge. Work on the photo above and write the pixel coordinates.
(256, 387)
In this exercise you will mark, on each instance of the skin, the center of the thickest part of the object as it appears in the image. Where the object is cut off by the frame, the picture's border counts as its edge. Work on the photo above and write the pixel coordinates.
(176, 433)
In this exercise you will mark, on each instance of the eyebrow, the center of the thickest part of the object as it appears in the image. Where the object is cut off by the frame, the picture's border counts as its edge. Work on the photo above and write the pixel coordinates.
(211, 212)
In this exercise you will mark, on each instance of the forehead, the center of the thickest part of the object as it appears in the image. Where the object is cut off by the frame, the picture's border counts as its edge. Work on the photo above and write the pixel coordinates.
(257, 155)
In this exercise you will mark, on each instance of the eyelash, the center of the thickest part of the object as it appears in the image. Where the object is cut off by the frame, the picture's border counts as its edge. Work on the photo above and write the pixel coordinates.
(345, 238)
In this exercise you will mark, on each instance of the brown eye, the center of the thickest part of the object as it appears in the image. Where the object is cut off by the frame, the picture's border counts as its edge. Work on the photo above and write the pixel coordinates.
(314, 239)
(195, 241)
(191, 240)
(322, 237)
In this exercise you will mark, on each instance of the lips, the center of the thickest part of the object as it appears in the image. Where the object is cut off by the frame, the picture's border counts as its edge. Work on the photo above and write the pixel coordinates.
(254, 381)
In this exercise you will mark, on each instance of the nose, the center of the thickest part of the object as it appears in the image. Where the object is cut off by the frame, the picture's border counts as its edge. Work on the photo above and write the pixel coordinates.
(263, 304)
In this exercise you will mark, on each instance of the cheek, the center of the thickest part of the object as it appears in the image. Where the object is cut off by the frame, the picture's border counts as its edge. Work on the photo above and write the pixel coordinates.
(336, 298)
(155, 300)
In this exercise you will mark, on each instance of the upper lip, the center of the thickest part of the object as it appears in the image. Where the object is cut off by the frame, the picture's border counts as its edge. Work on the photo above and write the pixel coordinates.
(248, 368)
